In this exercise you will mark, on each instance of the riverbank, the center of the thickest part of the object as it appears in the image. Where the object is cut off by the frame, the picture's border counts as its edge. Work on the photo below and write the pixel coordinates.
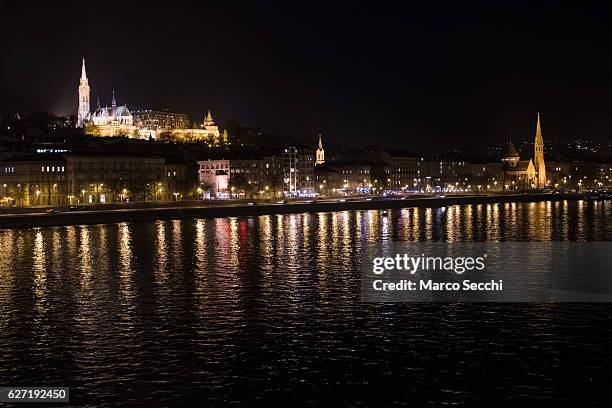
(168, 211)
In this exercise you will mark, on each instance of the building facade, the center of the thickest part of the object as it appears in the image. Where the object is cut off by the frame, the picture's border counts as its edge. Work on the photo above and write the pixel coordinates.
(214, 177)
(118, 120)
(525, 174)
(298, 171)
(103, 121)
(344, 179)
(90, 179)
(34, 180)
(157, 120)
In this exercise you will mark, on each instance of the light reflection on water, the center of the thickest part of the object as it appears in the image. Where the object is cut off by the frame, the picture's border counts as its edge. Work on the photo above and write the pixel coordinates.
(267, 308)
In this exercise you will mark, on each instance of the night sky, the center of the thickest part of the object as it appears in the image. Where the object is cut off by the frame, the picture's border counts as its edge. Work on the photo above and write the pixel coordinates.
(416, 77)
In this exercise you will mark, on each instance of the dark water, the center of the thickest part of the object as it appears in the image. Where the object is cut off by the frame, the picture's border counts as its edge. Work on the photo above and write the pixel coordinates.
(265, 311)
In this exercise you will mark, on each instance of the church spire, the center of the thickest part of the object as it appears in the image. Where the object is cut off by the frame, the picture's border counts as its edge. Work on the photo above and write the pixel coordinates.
(83, 72)
(114, 102)
(83, 109)
(538, 138)
(320, 153)
(538, 156)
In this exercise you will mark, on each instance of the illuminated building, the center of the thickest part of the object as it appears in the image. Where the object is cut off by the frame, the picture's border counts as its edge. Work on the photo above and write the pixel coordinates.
(113, 121)
(214, 177)
(404, 172)
(212, 130)
(525, 173)
(320, 153)
(208, 132)
(242, 177)
(519, 174)
(298, 171)
(538, 157)
(159, 120)
(84, 106)
(343, 178)
(34, 180)
(56, 179)
(160, 125)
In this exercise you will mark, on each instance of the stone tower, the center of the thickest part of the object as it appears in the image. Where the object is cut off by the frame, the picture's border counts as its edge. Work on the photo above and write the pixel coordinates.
(320, 153)
(83, 111)
(538, 156)
(208, 121)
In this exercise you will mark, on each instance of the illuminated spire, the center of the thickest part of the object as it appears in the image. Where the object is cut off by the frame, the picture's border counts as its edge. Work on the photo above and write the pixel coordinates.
(83, 72)
(538, 157)
(320, 153)
(83, 109)
(538, 138)
(114, 102)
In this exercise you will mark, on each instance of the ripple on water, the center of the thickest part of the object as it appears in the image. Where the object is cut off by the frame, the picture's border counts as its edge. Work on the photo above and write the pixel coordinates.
(266, 309)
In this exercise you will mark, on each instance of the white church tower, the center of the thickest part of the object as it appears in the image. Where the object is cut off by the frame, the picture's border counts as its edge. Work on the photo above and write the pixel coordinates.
(83, 111)
(320, 158)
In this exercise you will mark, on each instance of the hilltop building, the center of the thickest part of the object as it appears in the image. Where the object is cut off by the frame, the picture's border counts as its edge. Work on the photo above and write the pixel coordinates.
(117, 120)
(211, 130)
(160, 119)
(113, 121)
(208, 132)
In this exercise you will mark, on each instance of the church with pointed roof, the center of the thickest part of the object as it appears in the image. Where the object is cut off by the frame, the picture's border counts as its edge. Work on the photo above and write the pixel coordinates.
(530, 173)
(109, 121)
(320, 153)
(118, 120)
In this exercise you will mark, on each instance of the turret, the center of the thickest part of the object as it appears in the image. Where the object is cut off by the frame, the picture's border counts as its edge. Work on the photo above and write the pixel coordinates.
(208, 121)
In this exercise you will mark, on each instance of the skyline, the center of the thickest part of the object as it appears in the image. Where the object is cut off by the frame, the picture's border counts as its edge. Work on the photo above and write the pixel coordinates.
(472, 79)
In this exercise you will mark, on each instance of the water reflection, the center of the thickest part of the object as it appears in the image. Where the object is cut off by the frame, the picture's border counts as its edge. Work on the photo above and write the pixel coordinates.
(125, 260)
(238, 304)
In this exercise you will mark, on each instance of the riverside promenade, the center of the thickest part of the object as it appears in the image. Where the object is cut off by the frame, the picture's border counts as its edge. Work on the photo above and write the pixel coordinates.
(122, 212)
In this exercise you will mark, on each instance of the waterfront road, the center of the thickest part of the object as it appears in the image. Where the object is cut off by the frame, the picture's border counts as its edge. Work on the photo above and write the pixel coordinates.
(120, 212)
